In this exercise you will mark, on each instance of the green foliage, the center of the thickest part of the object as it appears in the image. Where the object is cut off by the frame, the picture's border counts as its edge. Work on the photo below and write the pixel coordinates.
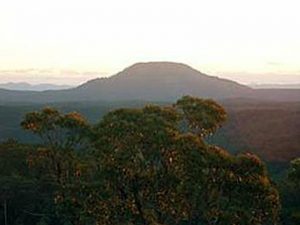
(154, 173)
(290, 192)
(204, 116)
(57, 130)
(142, 166)
(26, 196)
(61, 160)
(294, 173)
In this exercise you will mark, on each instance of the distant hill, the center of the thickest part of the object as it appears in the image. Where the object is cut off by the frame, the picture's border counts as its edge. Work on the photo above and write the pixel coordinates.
(23, 86)
(153, 81)
(162, 81)
(269, 129)
(275, 86)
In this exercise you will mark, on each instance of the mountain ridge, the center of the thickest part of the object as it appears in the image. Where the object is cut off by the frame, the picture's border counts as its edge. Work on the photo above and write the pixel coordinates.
(275, 86)
(162, 81)
(152, 81)
(24, 86)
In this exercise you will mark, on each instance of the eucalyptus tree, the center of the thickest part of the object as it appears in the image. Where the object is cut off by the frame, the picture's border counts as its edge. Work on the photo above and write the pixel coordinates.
(157, 169)
(151, 166)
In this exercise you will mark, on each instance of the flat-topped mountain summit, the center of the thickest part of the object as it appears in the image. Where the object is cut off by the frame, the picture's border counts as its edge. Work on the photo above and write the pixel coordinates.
(152, 81)
(163, 81)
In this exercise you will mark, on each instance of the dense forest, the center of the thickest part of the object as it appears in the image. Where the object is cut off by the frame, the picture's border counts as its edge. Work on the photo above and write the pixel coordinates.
(154, 164)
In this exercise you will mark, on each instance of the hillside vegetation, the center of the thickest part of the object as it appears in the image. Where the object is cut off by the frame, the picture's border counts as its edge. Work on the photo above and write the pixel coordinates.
(269, 129)
(148, 165)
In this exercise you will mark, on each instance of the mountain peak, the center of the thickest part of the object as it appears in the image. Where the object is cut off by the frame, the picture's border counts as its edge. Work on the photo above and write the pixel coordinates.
(162, 81)
(158, 66)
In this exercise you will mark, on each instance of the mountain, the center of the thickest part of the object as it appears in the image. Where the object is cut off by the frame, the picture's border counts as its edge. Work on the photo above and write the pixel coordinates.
(23, 86)
(153, 81)
(162, 81)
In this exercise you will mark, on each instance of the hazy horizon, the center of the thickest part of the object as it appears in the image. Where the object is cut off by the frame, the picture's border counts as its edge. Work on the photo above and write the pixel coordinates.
(73, 77)
(248, 42)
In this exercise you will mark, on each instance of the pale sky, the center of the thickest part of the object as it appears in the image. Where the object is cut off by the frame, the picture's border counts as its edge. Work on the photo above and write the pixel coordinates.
(255, 41)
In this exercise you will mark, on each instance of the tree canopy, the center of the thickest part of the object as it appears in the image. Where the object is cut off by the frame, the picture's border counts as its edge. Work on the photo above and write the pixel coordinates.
(150, 166)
